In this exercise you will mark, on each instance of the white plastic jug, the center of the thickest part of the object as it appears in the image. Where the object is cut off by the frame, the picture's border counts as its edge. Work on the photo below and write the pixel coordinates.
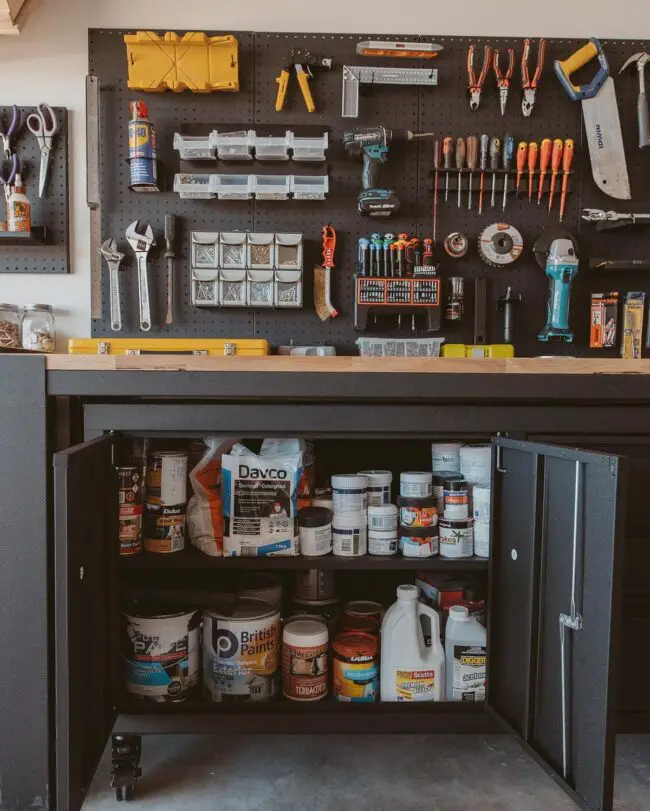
(409, 670)
(465, 646)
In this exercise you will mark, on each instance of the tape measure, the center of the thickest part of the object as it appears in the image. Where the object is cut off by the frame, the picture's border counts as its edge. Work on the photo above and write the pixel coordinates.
(456, 245)
(500, 244)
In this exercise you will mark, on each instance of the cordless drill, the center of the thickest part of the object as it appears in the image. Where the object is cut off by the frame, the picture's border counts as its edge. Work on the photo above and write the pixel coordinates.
(561, 269)
(373, 144)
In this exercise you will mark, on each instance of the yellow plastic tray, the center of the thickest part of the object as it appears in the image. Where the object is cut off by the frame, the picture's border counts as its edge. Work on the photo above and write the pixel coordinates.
(214, 347)
(478, 351)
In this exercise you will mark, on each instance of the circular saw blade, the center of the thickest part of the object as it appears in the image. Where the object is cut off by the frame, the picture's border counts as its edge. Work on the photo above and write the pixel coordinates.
(500, 244)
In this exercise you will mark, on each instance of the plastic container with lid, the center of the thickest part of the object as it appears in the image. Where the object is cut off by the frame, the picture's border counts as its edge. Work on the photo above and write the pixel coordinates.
(481, 539)
(39, 333)
(415, 484)
(383, 542)
(445, 457)
(481, 497)
(349, 493)
(456, 537)
(456, 498)
(418, 513)
(418, 543)
(466, 654)
(379, 485)
(350, 534)
(439, 491)
(10, 327)
(356, 667)
(315, 525)
(382, 518)
(476, 464)
(304, 660)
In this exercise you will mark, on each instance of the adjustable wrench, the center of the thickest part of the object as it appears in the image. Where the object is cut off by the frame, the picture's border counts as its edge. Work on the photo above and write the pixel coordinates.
(114, 259)
(141, 244)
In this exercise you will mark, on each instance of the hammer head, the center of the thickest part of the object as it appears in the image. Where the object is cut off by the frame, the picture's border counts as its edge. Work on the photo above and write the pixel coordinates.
(641, 59)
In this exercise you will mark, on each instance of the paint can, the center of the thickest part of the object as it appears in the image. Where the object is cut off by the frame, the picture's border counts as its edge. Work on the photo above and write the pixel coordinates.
(315, 525)
(329, 608)
(362, 615)
(481, 497)
(167, 478)
(350, 534)
(456, 498)
(356, 667)
(415, 484)
(304, 660)
(379, 486)
(262, 586)
(143, 149)
(314, 584)
(438, 491)
(419, 513)
(349, 493)
(160, 654)
(382, 543)
(481, 540)
(241, 651)
(476, 464)
(418, 543)
(131, 509)
(382, 518)
(445, 457)
(456, 538)
(164, 528)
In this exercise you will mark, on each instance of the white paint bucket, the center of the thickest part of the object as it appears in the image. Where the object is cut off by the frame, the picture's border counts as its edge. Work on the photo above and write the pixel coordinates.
(476, 464)
(445, 457)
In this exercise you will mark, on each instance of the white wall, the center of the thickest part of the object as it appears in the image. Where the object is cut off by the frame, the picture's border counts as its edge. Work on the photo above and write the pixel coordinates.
(49, 61)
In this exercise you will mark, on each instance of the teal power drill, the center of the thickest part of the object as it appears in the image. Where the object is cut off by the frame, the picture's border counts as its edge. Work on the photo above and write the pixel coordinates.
(561, 269)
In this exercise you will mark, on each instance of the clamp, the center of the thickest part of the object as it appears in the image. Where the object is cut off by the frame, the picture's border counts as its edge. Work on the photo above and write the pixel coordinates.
(529, 85)
(475, 85)
(302, 62)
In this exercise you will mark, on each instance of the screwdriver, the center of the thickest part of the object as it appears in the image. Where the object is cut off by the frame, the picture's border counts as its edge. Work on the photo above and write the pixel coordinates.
(522, 154)
(556, 160)
(485, 148)
(533, 151)
(460, 162)
(436, 167)
(544, 160)
(508, 155)
(448, 156)
(567, 160)
(472, 164)
(495, 153)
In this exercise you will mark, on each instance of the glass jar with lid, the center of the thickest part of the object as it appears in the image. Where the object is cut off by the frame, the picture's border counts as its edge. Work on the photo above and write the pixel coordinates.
(38, 328)
(10, 327)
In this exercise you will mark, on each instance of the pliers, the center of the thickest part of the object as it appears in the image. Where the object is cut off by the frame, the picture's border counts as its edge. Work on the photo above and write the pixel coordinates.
(7, 134)
(529, 85)
(475, 85)
(503, 79)
(302, 62)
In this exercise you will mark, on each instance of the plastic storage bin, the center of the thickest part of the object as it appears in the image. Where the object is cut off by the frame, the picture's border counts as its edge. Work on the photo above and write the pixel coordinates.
(232, 187)
(205, 288)
(233, 290)
(271, 187)
(233, 146)
(260, 288)
(400, 347)
(288, 288)
(288, 251)
(261, 251)
(232, 250)
(304, 187)
(194, 147)
(205, 249)
(308, 149)
(194, 187)
(272, 148)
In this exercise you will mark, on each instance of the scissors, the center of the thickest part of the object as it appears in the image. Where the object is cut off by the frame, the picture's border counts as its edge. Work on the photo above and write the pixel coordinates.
(7, 135)
(44, 125)
(8, 180)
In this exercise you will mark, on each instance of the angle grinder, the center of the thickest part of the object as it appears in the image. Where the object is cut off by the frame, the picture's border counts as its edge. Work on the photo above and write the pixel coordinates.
(557, 252)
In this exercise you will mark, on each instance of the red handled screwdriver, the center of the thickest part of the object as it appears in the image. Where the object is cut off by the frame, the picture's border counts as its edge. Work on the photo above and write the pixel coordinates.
(522, 154)
(533, 151)
(436, 168)
(544, 161)
(556, 160)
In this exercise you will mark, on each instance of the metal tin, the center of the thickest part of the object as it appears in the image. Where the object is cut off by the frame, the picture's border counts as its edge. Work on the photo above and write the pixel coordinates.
(164, 528)
(456, 498)
(356, 667)
(314, 584)
(131, 510)
(328, 608)
(362, 615)
(167, 478)
(304, 660)
(143, 147)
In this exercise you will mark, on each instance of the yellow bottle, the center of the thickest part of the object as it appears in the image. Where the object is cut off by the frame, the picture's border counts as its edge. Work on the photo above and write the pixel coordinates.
(18, 208)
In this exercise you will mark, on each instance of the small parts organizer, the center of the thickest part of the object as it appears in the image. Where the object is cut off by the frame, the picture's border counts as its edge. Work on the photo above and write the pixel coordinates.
(246, 269)
(245, 187)
(241, 144)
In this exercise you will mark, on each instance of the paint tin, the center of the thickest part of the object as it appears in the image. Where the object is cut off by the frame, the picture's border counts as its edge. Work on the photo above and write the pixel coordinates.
(167, 479)
(362, 615)
(262, 586)
(304, 660)
(241, 651)
(439, 491)
(445, 457)
(131, 510)
(297, 617)
(414, 484)
(314, 584)
(349, 493)
(379, 486)
(382, 543)
(456, 498)
(164, 528)
(481, 540)
(456, 538)
(350, 534)
(160, 654)
(382, 518)
(329, 609)
(356, 667)
(315, 525)
(476, 464)
(419, 513)
(418, 543)
(143, 149)
(481, 497)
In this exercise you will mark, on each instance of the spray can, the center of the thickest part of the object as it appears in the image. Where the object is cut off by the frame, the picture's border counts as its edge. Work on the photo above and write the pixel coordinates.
(19, 217)
(143, 149)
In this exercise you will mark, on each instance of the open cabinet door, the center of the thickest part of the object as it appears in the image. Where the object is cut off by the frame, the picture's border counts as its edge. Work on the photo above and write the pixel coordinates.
(555, 593)
(85, 556)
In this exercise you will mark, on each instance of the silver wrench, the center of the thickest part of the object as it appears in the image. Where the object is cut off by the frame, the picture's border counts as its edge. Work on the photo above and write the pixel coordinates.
(114, 259)
(141, 244)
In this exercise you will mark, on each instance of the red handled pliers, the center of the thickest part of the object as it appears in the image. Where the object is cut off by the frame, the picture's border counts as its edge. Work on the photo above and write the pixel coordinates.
(529, 85)
(475, 86)
(503, 79)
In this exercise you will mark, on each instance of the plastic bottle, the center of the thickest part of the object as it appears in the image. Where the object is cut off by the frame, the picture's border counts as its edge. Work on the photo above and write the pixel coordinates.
(19, 216)
(410, 671)
(466, 649)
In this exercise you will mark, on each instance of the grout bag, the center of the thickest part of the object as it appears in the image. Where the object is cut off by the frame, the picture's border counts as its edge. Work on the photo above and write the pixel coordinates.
(260, 503)
(282, 447)
(204, 509)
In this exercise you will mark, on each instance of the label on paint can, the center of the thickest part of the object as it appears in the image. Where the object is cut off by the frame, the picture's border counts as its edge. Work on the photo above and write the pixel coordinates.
(379, 486)
(445, 457)
(131, 510)
(476, 464)
(382, 543)
(382, 518)
(304, 660)
(470, 673)
(419, 513)
(456, 498)
(456, 538)
(350, 534)
(481, 540)
(481, 504)
(356, 667)
(167, 479)
(415, 685)
(419, 543)
(164, 528)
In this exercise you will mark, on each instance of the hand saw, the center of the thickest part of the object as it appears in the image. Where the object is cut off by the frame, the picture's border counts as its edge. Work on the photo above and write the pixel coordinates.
(602, 123)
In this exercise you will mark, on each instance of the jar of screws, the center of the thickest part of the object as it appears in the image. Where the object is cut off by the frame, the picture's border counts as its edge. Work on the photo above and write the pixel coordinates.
(10, 327)
(38, 328)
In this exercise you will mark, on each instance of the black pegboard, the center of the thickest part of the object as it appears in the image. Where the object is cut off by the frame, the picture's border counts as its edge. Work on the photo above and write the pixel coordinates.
(443, 110)
(51, 210)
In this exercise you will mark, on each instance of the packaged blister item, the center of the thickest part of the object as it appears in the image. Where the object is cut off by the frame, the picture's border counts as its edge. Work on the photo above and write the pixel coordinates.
(204, 509)
(260, 503)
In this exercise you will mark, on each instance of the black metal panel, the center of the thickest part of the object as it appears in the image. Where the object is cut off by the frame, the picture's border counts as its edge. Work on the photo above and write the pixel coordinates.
(546, 539)
(24, 581)
(85, 555)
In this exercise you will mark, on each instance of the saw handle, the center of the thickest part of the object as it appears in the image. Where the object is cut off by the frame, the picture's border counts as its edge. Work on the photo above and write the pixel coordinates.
(565, 68)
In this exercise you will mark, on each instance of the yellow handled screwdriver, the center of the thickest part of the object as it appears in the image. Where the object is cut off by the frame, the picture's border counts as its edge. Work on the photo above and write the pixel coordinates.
(556, 160)
(544, 161)
(472, 163)
(533, 151)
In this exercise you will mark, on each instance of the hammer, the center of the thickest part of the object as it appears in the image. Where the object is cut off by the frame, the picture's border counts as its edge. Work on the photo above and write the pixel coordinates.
(643, 114)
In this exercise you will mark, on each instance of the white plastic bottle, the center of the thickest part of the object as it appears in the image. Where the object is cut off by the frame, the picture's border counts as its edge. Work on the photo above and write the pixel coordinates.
(466, 649)
(409, 670)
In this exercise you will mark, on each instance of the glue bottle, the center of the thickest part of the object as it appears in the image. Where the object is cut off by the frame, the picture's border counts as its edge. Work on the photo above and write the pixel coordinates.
(18, 208)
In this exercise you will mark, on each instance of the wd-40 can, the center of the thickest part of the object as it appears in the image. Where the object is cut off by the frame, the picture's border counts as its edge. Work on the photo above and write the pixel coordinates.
(143, 149)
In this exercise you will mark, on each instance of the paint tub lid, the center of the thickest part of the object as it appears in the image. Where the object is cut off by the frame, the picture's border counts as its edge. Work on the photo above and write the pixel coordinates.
(146, 612)
(416, 477)
(314, 517)
(380, 510)
(460, 613)
(382, 534)
(160, 454)
(350, 520)
(305, 633)
(244, 608)
(456, 523)
(445, 446)
(418, 501)
(349, 481)
(356, 643)
(377, 476)
(418, 532)
(363, 608)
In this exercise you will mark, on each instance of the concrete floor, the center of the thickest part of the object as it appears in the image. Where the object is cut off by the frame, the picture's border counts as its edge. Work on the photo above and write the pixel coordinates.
(357, 773)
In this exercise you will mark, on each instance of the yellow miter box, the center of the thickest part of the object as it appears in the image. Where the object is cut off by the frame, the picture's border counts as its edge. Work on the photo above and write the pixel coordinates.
(478, 351)
(214, 347)
(193, 62)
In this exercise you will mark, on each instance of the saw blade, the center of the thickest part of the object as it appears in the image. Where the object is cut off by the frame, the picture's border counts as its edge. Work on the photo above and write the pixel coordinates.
(605, 140)
(500, 244)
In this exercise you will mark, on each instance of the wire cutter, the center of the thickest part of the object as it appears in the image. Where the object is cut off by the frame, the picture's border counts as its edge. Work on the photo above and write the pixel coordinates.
(529, 85)
(44, 125)
(7, 135)
(476, 85)
(8, 180)
(302, 62)
(503, 79)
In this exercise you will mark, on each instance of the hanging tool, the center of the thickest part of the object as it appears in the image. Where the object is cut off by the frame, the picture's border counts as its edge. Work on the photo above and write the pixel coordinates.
(533, 151)
(7, 180)
(556, 160)
(522, 155)
(495, 154)
(456, 245)
(460, 163)
(141, 244)
(323, 277)
(114, 260)
(556, 252)
(363, 258)
(170, 256)
(405, 50)
(642, 112)
(7, 135)
(544, 162)
(508, 155)
(356, 75)
(598, 263)
(377, 250)
(609, 220)
(448, 156)
(436, 172)
(472, 164)
(503, 79)
(567, 160)
(44, 125)
(506, 305)
(485, 148)
(389, 241)
(602, 123)
(529, 86)
(475, 85)
(301, 62)
(500, 244)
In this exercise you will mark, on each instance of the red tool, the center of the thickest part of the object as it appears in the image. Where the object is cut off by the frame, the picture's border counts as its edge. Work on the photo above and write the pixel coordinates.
(533, 151)
(567, 160)
(556, 160)
(475, 85)
(503, 79)
(322, 277)
(522, 154)
(544, 161)
(529, 86)
(436, 168)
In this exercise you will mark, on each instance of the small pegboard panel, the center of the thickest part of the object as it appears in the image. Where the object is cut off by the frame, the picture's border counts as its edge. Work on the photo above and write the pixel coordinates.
(49, 211)
(443, 110)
